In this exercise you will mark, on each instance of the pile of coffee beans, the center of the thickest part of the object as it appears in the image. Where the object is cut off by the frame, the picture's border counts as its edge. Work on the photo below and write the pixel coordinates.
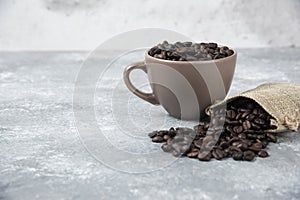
(188, 51)
(240, 130)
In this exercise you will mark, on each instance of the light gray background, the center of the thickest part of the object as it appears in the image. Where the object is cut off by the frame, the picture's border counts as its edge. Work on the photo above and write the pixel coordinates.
(84, 24)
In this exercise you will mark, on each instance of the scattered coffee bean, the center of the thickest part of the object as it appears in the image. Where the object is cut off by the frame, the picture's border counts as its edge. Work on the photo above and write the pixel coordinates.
(238, 132)
(204, 156)
(263, 154)
(176, 153)
(157, 139)
(166, 137)
(188, 51)
(249, 155)
(272, 137)
(152, 134)
(166, 148)
(238, 155)
(257, 145)
(218, 154)
(193, 154)
(246, 125)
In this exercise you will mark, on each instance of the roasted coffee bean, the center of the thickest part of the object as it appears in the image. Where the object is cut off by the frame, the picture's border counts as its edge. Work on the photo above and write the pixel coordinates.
(259, 121)
(237, 155)
(208, 138)
(199, 128)
(166, 137)
(236, 144)
(238, 129)
(234, 149)
(257, 145)
(245, 114)
(230, 52)
(230, 114)
(172, 133)
(211, 51)
(204, 156)
(263, 154)
(250, 117)
(209, 145)
(251, 136)
(193, 154)
(157, 139)
(176, 146)
(209, 56)
(176, 153)
(228, 151)
(234, 122)
(187, 44)
(212, 45)
(158, 56)
(198, 143)
(265, 143)
(255, 126)
(196, 46)
(222, 119)
(171, 129)
(261, 136)
(169, 141)
(238, 116)
(242, 110)
(179, 44)
(218, 154)
(272, 137)
(248, 142)
(233, 139)
(218, 56)
(249, 155)
(178, 138)
(162, 133)
(243, 146)
(249, 131)
(184, 148)
(152, 134)
(228, 129)
(166, 148)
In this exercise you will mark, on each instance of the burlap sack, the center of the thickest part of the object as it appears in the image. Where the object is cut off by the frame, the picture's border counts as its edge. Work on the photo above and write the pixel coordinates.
(280, 100)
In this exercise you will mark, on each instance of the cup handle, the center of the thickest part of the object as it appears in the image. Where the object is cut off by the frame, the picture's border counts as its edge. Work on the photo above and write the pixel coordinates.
(150, 97)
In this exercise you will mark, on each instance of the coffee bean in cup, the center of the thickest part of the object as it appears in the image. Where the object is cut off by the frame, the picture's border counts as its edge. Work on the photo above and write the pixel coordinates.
(240, 130)
(188, 51)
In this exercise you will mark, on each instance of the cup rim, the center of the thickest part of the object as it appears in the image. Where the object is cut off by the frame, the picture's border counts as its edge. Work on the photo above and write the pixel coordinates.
(195, 61)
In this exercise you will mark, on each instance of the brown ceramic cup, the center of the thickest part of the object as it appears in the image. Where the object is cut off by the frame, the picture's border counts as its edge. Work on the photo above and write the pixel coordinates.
(184, 88)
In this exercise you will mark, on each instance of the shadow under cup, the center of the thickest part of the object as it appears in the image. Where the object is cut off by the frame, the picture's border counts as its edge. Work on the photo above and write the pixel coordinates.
(184, 88)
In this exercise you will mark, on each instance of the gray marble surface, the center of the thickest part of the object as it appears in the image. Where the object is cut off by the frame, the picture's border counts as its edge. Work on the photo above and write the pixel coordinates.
(44, 155)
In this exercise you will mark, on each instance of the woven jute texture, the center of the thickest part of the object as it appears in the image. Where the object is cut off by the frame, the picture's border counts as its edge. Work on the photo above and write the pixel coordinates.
(280, 100)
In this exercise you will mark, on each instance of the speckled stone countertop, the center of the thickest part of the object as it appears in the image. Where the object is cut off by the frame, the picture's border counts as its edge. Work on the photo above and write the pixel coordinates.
(44, 155)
